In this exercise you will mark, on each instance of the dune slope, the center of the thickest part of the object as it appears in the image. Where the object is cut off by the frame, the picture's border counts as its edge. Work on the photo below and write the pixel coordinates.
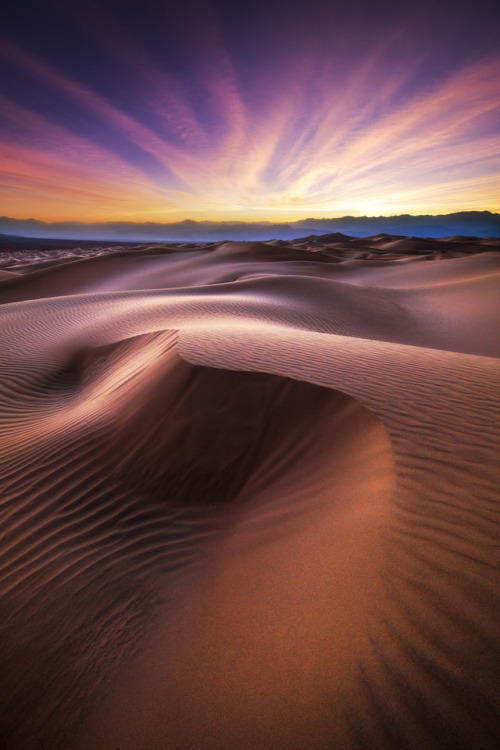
(249, 496)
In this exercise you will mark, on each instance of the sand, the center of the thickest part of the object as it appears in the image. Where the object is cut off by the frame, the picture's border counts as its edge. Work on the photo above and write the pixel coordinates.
(249, 495)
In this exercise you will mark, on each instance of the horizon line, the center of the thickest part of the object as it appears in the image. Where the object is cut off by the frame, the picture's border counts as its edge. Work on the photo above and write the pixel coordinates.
(248, 221)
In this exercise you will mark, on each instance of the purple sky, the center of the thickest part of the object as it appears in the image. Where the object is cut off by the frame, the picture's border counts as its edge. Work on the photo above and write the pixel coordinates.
(150, 111)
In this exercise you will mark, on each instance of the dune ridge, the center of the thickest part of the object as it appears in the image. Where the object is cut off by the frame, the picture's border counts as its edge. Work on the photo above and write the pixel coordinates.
(250, 495)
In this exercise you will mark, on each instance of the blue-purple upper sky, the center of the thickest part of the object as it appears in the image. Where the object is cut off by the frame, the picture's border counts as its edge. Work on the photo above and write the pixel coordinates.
(270, 110)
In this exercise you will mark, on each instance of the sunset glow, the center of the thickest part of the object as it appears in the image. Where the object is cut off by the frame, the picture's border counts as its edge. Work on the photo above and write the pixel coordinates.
(195, 114)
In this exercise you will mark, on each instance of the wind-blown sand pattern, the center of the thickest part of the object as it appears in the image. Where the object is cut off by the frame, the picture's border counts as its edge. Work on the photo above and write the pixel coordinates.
(249, 495)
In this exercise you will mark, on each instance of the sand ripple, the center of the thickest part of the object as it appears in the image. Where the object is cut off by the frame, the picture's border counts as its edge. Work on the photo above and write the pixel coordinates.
(250, 497)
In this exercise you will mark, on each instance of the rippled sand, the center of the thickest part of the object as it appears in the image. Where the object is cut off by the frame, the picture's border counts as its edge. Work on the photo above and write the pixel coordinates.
(249, 495)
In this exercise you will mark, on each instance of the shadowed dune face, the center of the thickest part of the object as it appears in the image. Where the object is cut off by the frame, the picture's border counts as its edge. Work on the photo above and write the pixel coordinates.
(206, 434)
(131, 463)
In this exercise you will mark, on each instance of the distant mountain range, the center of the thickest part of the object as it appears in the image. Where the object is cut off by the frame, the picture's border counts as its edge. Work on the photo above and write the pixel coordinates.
(468, 223)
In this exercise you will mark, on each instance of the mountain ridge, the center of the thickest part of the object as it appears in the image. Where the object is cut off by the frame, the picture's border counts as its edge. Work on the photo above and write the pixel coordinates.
(465, 223)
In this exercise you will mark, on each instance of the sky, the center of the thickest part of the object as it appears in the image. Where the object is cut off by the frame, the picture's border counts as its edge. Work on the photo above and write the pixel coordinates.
(263, 110)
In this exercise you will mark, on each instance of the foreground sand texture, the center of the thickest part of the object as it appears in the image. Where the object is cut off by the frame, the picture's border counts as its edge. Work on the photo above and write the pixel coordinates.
(249, 495)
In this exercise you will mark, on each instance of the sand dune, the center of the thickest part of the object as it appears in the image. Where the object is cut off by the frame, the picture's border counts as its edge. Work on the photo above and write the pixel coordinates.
(250, 495)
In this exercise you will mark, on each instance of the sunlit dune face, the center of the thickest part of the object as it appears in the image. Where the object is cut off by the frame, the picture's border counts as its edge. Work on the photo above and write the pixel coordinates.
(298, 124)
